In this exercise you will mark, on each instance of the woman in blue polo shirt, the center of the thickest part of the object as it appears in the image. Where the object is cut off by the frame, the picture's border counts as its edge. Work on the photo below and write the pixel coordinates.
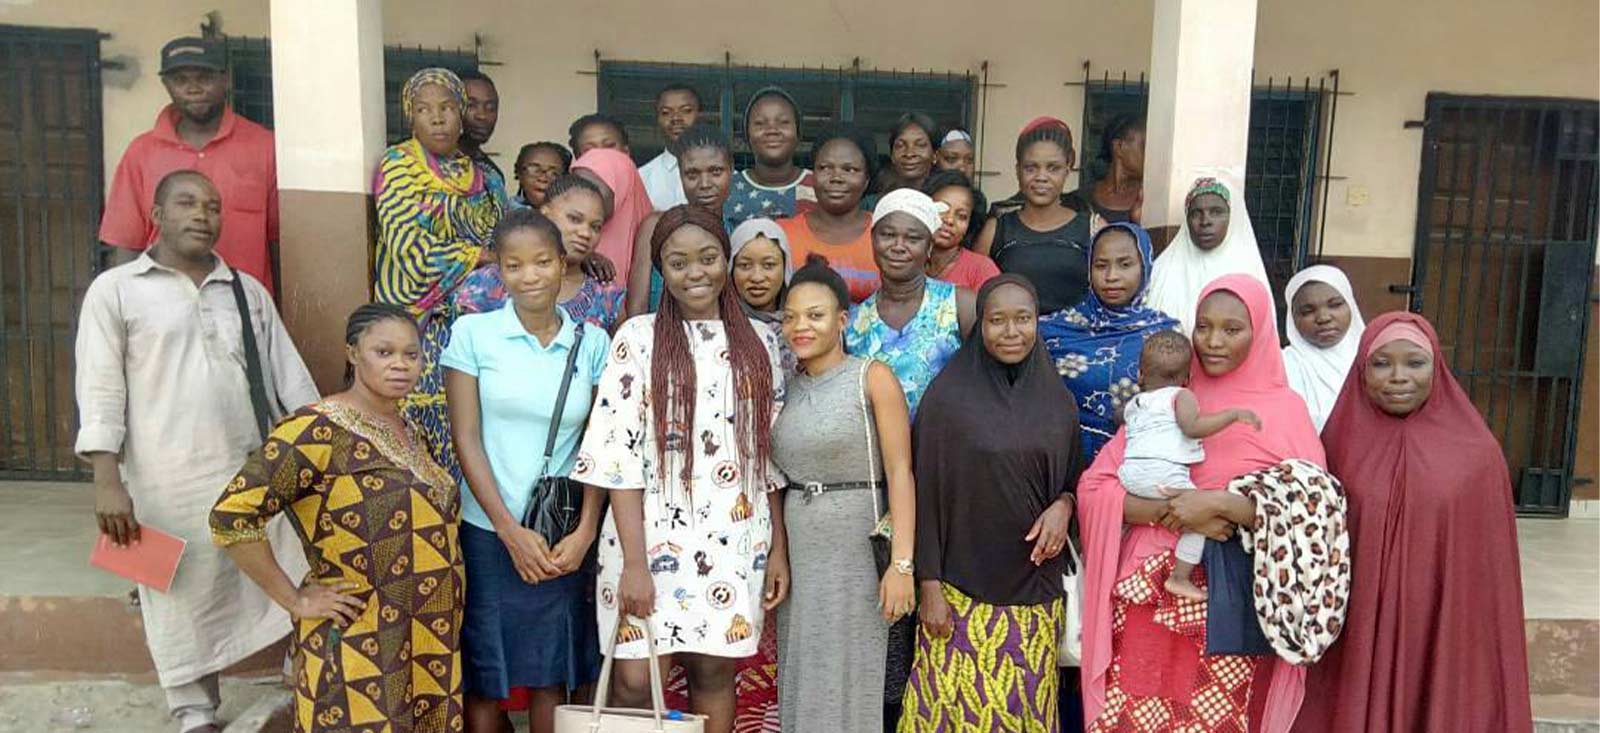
(529, 622)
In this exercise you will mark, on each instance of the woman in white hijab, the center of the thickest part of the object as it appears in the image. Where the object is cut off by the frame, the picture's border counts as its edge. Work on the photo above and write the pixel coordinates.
(1325, 335)
(760, 268)
(1216, 239)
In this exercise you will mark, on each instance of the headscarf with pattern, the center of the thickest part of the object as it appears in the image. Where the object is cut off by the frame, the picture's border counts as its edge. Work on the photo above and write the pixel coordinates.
(1184, 269)
(432, 75)
(1095, 347)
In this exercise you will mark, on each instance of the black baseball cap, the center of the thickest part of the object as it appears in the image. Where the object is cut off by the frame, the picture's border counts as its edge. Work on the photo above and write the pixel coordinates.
(193, 53)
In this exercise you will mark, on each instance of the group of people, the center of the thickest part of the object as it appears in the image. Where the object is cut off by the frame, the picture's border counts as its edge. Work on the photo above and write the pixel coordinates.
(816, 443)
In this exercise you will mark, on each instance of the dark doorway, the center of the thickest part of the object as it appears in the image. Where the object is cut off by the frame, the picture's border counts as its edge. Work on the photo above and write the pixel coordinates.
(1505, 249)
(50, 190)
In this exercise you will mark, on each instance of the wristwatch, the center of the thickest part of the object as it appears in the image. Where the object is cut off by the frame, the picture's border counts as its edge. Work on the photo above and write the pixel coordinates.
(904, 567)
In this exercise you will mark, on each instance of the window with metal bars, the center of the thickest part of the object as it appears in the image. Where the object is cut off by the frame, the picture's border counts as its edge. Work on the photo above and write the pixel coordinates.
(250, 64)
(1281, 178)
(869, 98)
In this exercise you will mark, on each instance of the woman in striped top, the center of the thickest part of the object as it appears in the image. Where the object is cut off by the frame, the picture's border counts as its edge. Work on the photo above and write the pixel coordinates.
(436, 213)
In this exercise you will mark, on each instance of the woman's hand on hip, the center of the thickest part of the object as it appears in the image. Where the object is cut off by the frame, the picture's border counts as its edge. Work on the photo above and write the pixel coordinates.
(314, 600)
(1049, 531)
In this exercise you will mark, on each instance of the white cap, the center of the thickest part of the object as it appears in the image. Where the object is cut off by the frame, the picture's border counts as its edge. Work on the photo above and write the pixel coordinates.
(913, 202)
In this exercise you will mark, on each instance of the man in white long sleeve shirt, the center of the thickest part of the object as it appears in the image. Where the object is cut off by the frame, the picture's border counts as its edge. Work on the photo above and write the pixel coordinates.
(166, 418)
(677, 109)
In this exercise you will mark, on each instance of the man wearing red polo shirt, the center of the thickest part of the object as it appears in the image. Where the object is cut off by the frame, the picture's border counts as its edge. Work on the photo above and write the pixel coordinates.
(199, 131)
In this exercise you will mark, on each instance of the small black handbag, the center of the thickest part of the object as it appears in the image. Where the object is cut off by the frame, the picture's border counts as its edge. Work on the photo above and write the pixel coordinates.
(557, 501)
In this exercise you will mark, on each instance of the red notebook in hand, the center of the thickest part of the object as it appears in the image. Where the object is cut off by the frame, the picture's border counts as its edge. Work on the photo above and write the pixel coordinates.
(152, 563)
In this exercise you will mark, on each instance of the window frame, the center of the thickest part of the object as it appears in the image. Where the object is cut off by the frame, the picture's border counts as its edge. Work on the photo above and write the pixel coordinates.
(827, 96)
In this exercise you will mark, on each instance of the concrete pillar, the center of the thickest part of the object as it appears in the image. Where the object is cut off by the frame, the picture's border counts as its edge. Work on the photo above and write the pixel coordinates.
(328, 109)
(1198, 124)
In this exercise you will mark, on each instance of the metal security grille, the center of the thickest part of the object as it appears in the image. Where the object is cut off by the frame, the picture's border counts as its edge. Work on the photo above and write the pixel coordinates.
(50, 190)
(1505, 250)
(870, 98)
(1287, 141)
(250, 63)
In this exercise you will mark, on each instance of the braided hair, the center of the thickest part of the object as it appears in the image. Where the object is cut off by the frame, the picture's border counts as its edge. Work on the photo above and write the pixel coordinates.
(560, 150)
(701, 136)
(567, 183)
(672, 370)
(362, 319)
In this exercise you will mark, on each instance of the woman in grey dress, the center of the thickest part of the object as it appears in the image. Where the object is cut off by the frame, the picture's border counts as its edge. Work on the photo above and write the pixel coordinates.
(843, 435)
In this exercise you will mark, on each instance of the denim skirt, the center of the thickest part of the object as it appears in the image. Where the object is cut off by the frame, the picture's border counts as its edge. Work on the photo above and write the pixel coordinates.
(517, 634)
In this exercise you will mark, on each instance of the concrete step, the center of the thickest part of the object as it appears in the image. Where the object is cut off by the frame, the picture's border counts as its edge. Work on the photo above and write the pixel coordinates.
(1566, 714)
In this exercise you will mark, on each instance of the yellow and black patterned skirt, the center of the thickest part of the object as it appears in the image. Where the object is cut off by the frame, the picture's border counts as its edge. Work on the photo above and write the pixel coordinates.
(996, 671)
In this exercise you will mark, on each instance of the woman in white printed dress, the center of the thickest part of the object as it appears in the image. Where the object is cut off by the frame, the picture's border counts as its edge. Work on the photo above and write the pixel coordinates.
(680, 435)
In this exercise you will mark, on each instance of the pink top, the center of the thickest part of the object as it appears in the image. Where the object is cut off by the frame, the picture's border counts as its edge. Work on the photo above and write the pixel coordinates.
(1258, 384)
(970, 270)
(630, 204)
(239, 161)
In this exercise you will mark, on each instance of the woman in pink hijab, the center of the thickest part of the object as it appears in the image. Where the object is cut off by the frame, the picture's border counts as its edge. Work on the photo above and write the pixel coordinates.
(1144, 661)
(627, 203)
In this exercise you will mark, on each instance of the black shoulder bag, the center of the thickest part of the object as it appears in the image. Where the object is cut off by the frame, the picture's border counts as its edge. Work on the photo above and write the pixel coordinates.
(252, 360)
(557, 501)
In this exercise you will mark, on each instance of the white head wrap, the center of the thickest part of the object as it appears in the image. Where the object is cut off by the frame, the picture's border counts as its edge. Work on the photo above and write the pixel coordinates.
(955, 136)
(1183, 271)
(1317, 374)
(747, 232)
(913, 202)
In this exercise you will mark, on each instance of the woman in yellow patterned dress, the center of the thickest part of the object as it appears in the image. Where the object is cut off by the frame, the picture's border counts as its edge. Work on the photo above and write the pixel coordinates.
(378, 620)
(436, 214)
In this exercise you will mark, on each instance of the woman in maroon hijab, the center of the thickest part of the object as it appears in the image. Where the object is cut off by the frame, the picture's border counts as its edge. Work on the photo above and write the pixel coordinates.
(1433, 640)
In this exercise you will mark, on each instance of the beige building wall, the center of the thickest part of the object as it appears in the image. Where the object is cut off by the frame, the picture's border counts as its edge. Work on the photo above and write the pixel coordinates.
(1389, 54)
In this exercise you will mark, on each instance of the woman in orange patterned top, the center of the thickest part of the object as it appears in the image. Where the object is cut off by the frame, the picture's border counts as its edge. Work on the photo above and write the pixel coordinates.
(839, 229)
(378, 620)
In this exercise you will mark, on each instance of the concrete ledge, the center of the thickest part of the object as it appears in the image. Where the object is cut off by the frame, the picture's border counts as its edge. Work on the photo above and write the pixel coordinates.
(94, 635)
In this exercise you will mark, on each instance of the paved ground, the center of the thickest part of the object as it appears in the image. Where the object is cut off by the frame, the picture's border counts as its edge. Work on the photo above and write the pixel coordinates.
(55, 704)
(46, 530)
(35, 703)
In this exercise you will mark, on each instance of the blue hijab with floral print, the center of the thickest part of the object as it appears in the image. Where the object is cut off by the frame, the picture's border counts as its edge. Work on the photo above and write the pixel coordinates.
(1096, 347)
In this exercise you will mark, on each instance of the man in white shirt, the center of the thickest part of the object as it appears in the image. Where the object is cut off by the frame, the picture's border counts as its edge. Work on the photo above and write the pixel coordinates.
(677, 109)
(167, 417)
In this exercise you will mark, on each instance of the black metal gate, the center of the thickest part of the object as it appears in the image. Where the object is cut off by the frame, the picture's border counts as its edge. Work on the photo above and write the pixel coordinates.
(50, 189)
(1505, 250)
